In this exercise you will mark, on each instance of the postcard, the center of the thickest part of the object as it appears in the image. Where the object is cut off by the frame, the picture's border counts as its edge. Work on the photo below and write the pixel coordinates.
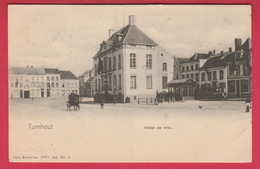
(130, 83)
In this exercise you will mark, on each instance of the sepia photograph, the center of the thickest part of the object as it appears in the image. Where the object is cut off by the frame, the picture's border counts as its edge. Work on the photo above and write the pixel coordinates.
(130, 83)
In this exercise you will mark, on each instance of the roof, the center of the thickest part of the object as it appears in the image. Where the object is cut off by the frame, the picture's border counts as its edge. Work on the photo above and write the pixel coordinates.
(67, 75)
(198, 56)
(51, 70)
(195, 57)
(26, 71)
(85, 73)
(129, 34)
(90, 80)
(181, 82)
(182, 60)
(220, 61)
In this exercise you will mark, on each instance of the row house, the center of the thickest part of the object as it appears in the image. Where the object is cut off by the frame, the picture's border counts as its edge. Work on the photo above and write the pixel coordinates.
(230, 71)
(32, 82)
(86, 84)
(207, 75)
(69, 83)
(131, 65)
(187, 75)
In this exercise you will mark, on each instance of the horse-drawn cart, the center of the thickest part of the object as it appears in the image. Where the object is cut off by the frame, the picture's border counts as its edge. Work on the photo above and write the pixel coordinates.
(73, 101)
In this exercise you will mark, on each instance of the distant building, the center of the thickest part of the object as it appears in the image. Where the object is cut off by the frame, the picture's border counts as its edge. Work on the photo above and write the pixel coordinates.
(52, 82)
(32, 82)
(131, 65)
(26, 82)
(230, 71)
(204, 76)
(69, 83)
(86, 84)
(187, 75)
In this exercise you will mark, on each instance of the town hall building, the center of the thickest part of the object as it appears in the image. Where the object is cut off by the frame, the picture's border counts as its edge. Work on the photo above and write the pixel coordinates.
(130, 65)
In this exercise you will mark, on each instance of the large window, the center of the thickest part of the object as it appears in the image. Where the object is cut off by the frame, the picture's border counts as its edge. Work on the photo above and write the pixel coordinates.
(132, 60)
(133, 82)
(203, 76)
(119, 62)
(114, 63)
(182, 76)
(164, 66)
(110, 64)
(187, 76)
(114, 82)
(197, 67)
(221, 74)
(164, 82)
(191, 67)
(244, 86)
(187, 68)
(105, 65)
(110, 82)
(214, 75)
(192, 76)
(209, 76)
(231, 86)
(119, 81)
(197, 77)
(149, 61)
(183, 69)
(149, 83)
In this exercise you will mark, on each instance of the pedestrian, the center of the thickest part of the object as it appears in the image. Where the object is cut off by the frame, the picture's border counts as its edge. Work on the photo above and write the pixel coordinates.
(248, 104)
(155, 102)
(101, 103)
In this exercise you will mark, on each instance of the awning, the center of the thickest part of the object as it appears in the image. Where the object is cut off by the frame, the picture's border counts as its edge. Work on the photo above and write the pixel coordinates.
(182, 82)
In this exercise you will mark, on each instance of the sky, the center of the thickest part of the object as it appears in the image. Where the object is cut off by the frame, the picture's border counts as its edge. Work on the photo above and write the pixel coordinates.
(68, 36)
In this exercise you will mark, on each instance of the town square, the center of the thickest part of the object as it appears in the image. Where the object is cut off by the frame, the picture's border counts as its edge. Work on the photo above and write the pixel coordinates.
(171, 84)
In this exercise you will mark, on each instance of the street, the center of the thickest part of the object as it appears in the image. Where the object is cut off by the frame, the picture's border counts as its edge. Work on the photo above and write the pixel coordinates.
(171, 132)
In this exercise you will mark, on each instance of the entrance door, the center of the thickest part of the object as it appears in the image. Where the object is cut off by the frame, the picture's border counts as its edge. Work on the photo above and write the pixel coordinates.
(48, 92)
(26, 94)
(42, 92)
(238, 88)
(21, 93)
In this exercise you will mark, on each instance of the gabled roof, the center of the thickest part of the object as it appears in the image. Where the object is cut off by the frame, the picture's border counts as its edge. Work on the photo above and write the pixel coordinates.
(195, 57)
(129, 34)
(67, 75)
(220, 61)
(85, 73)
(26, 71)
(51, 70)
(136, 36)
(198, 56)
(182, 60)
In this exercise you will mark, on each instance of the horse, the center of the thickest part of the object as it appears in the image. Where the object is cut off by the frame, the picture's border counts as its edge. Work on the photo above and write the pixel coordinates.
(73, 101)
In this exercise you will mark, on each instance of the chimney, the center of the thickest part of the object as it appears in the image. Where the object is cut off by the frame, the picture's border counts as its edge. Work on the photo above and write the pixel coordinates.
(110, 31)
(230, 49)
(214, 52)
(238, 44)
(210, 53)
(131, 19)
(222, 53)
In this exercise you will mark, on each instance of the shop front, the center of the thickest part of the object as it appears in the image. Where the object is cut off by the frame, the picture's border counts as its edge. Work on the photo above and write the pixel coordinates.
(185, 89)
